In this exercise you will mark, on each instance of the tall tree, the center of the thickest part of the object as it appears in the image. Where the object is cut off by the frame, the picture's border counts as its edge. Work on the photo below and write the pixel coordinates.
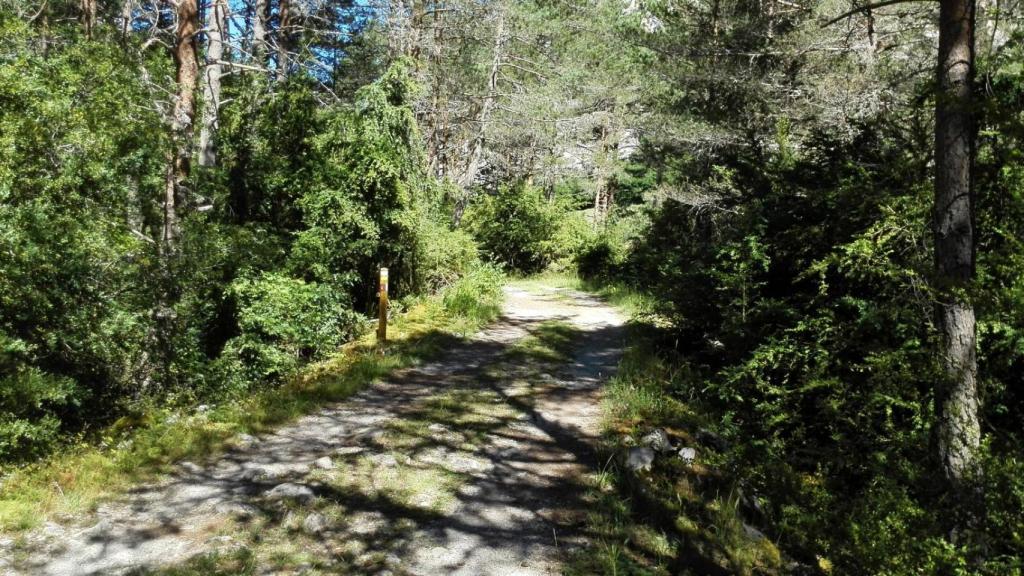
(127, 16)
(475, 146)
(88, 8)
(216, 24)
(958, 428)
(182, 119)
(259, 31)
(176, 174)
(285, 37)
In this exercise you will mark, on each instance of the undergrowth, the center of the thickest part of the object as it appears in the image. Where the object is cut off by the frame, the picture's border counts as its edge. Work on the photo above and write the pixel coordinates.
(679, 517)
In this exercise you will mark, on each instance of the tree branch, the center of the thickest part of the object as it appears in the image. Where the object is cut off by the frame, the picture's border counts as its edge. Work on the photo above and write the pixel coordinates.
(869, 7)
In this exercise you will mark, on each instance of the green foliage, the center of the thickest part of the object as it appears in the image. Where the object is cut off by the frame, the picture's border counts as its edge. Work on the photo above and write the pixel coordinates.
(515, 226)
(284, 322)
(477, 295)
(31, 403)
(794, 290)
(360, 211)
(75, 149)
(603, 255)
(573, 235)
(443, 255)
(279, 246)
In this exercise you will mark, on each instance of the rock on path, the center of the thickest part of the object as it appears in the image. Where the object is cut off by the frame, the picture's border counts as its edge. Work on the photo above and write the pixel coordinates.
(514, 514)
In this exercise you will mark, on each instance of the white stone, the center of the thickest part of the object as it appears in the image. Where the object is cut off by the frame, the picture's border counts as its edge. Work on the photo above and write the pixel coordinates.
(290, 491)
(315, 523)
(638, 459)
(386, 460)
(658, 440)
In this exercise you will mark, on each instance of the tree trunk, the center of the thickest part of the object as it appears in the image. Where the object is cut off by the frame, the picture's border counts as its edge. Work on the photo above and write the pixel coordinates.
(259, 31)
(88, 9)
(216, 19)
(182, 118)
(958, 430)
(284, 39)
(127, 17)
(604, 194)
(476, 145)
(176, 174)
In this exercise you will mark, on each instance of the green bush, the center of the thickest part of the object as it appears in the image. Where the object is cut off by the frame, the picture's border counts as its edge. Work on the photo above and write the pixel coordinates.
(444, 255)
(283, 322)
(77, 147)
(604, 253)
(31, 404)
(515, 227)
(368, 190)
(573, 236)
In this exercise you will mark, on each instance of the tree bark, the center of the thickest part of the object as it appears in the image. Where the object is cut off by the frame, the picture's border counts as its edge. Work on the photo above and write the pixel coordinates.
(88, 10)
(182, 118)
(216, 20)
(958, 430)
(127, 17)
(259, 31)
(176, 174)
(284, 39)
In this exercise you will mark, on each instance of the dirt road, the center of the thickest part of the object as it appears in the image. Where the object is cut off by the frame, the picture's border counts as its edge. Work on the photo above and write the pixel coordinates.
(467, 465)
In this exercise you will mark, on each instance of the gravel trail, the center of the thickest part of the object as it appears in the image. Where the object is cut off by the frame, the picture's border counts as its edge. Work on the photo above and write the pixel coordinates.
(487, 482)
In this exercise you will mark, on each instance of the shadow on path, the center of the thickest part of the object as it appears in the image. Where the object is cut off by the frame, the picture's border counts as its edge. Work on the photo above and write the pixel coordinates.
(469, 464)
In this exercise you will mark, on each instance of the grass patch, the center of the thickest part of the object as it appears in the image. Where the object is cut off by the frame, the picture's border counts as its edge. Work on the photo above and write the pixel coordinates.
(74, 480)
(401, 482)
(636, 304)
(551, 341)
(237, 563)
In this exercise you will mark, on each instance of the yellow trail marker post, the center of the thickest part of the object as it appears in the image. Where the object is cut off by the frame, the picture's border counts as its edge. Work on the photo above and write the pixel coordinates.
(382, 319)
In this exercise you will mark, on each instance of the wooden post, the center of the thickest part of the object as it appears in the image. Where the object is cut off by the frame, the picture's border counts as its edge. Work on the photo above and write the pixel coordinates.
(382, 318)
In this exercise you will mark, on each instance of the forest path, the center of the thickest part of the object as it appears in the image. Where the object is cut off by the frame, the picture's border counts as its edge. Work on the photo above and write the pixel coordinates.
(470, 464)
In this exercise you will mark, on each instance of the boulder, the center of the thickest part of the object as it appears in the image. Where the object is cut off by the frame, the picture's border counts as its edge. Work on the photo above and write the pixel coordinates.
(753, 533)
(386, 460)
(240, 510)
(657, 440)
(324, 463)
(709, 438)
(244, 441)
(291, 491)
(315, 523)
(190, 468)
(640, 458)
(688, 454)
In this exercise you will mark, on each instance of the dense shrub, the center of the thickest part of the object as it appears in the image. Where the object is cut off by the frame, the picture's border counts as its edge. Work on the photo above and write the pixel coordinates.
(279, 244)
(515, 226)
(283, 322)
(604, 253)
(31, 403)
(812, 346)
(74, 158)
(443, 255)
